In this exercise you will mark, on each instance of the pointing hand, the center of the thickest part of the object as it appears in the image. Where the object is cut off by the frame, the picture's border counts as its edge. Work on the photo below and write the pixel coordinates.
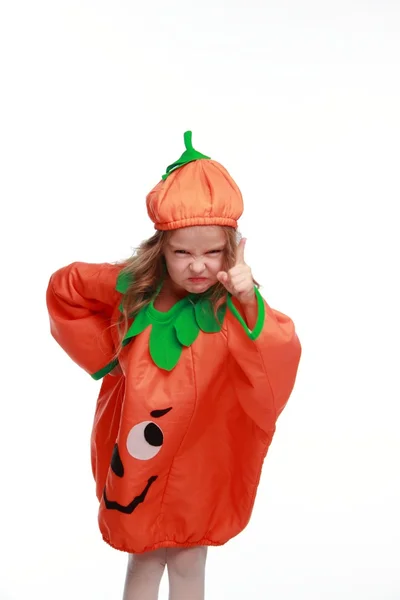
(238, 281)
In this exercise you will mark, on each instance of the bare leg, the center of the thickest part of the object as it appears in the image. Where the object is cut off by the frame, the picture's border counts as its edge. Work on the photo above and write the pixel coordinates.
(186, 572)
(144, 575)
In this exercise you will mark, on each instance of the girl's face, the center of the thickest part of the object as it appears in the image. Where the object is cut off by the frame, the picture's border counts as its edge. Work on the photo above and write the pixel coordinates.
(194, 256)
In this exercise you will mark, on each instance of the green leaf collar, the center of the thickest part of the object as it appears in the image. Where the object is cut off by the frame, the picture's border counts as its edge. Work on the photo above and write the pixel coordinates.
(180, 326)
(174, 329)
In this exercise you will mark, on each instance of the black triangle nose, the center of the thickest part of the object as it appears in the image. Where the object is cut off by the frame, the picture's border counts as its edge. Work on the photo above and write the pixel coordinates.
(116, 462)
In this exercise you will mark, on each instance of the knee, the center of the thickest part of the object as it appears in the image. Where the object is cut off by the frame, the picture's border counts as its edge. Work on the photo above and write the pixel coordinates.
(148, 561)
(183, 561)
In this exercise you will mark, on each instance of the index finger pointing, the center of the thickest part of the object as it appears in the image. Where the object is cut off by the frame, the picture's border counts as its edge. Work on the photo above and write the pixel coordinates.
(240, 252)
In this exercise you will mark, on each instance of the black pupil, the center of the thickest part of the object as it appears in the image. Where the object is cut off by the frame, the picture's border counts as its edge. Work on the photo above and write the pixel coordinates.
(153, 435)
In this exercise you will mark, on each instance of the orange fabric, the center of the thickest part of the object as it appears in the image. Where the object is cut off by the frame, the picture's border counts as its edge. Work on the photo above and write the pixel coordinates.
(81, 300)
(217, 412)
(199, 193)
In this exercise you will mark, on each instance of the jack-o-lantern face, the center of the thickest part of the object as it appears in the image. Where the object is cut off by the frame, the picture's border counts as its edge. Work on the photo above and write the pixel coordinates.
(144, 442)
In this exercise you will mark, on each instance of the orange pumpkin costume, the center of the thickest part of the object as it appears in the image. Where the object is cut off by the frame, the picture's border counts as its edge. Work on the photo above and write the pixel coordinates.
(179, 438)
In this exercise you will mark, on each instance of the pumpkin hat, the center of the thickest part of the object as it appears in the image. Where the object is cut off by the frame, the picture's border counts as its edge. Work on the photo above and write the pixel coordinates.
(195, 190)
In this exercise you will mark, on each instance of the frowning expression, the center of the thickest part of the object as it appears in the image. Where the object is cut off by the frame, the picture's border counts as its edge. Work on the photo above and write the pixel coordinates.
(194, 256)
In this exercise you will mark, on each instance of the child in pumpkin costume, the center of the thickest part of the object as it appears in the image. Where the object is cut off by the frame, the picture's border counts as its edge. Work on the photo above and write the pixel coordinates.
(191, 394)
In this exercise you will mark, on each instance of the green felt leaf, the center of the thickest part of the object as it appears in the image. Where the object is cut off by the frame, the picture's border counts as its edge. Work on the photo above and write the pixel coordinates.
(205, 316)
(140, 322)
(186, 326)
(124, 280)
(165, 348)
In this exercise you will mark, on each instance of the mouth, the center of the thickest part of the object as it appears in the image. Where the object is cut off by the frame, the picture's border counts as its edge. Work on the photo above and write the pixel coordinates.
(128, 510)
(197, 279)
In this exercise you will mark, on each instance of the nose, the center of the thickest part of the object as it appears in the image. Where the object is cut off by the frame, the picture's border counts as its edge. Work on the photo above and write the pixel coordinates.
(197, 266)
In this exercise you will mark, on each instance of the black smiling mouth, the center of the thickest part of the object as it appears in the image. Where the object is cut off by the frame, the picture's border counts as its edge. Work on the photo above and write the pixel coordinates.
(128, 510)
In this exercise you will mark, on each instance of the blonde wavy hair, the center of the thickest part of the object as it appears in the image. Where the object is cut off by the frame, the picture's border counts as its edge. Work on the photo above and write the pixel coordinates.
(147, 268)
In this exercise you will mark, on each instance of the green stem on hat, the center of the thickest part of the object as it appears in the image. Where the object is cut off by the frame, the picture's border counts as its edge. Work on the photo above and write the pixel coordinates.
(187, 138)
(188, 156)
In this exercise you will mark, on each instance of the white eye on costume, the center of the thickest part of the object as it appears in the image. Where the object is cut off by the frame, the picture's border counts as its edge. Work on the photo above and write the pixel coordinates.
(145, 440)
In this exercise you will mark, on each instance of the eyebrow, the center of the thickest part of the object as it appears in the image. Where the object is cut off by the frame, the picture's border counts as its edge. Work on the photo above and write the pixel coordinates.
(160, 413)
(181, 247)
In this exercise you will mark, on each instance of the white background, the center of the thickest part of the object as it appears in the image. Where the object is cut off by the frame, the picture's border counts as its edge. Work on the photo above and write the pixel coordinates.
(300, 101)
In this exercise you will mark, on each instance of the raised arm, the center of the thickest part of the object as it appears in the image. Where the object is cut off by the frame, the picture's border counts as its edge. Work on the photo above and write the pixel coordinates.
(81, 300)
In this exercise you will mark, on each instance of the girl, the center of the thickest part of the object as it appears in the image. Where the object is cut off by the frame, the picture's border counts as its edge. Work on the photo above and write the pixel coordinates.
(196, 369)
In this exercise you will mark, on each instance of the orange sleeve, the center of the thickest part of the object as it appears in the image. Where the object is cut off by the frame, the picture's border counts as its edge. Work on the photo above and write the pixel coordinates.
(81, 299)
(264, 362)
